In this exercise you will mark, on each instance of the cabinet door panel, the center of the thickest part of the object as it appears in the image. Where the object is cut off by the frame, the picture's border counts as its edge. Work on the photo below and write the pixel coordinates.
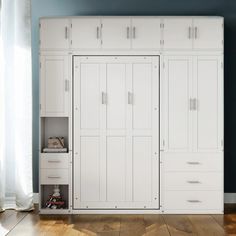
(116, 33)
(90, 173)
(54, 34)
(177, 78)
(90, 96)
(146, 33)
(142, 96)
(177, 33)
(86, 33)
(116, 160)
(54, 86)
(142, 169)
(116, 94)
(208, 33)
(208, 115)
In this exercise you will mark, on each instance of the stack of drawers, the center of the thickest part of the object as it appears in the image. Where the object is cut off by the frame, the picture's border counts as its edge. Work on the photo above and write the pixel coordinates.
(192, 183)
(54, 168)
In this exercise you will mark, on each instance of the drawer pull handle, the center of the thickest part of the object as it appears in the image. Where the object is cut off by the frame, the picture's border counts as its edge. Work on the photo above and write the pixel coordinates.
(54, 177)
(193, 201)
(193, 162)
(193, 182)
(54, 161)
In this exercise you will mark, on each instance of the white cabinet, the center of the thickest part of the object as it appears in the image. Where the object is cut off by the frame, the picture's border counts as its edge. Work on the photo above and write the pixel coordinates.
(116, 33)
(146, 33)
(208, 110)
(116, 132)
(177, 121)
(54, 86)
(193, 107)
(208, 33)
(200, 33)
(54, 33)
(85, 33)
(177, 33)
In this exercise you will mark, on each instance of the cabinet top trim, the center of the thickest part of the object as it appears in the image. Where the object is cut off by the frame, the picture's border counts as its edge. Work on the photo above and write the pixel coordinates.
(161, 17)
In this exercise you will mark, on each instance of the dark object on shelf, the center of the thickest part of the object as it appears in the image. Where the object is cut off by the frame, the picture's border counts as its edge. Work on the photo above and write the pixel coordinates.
(55, 200)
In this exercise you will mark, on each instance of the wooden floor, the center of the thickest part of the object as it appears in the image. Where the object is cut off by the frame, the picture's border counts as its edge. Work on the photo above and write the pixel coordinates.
(22, 223)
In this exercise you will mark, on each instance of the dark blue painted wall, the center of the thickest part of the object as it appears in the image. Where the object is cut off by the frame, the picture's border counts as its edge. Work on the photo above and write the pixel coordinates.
(226, 8)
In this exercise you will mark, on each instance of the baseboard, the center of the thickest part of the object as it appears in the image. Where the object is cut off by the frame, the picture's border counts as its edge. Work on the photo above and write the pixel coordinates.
(36, 198)
(230, 197)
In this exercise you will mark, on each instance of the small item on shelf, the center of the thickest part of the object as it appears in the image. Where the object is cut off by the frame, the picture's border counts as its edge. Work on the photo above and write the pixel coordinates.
(53, 150)
(55, 200)
(56, 142)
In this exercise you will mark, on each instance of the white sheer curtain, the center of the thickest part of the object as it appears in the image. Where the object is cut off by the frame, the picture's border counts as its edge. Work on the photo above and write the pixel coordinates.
(15, 105)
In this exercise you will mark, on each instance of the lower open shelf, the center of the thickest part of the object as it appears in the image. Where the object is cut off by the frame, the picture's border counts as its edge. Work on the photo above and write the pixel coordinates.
(54, 197)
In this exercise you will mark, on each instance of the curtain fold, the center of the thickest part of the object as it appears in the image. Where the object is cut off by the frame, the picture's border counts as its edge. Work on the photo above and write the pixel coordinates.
(15, 105)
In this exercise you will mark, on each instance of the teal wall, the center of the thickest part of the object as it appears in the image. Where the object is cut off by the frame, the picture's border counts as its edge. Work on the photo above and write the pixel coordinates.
(226, 8)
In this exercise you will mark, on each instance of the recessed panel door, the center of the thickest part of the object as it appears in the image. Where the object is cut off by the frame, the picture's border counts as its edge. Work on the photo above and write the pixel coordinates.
(177, 103)
(208, 107)
(116, 33)
(177, 33)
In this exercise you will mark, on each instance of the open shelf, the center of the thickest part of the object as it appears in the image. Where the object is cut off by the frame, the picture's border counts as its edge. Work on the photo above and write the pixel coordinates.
(47, 191)
(54, 127)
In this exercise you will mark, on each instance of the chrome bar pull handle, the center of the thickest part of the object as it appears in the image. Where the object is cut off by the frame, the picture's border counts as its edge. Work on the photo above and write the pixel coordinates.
(98, 35)
(195, 32)
(54, 161)
(194, 201)
(195, 104)
(66, 85)
(189, 32)
(66, 32)
(104, 98)
(130, 98)
(190, 104)
(193, 163)
(134, 32)
(193, 182)
(54, 177)
(127, 32)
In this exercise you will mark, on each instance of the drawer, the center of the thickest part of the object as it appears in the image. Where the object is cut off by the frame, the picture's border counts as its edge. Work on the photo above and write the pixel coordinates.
(193, 181)
(54, 161)
(189, 162)
(54, 176)
(193, 200)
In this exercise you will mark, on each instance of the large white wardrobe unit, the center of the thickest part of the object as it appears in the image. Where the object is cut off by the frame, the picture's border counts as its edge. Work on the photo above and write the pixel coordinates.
(139, 102)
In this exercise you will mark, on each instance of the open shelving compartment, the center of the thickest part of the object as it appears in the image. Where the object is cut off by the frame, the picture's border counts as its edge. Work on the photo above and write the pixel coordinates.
(46, 192)
(54, 127)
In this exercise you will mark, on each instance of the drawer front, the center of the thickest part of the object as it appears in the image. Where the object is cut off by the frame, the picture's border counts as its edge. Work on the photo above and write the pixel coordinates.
(193, 181)
(54, 162)
(193, 163)
(193, 200)
(54, 176)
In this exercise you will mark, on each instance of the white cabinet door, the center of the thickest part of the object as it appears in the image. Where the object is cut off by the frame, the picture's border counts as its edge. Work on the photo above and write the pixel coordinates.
(54, 33)
(208, 107)
(177, 84)
(208, 33)
(85, 33)
(146, 33)
(116, 33)
(177, 33)
(55, 86)
(116, 132)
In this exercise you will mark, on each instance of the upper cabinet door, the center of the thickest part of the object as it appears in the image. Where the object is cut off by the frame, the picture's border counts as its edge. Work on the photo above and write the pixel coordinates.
(55, 87)
(177, 33)
(146, 33)
(54, 34)
(208, 33)
(86, 33)
(208, 105)
(177, 121)
(116, 33)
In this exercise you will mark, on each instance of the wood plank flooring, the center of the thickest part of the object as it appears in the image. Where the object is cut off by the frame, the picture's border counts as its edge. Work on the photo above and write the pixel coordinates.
(14, 223)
